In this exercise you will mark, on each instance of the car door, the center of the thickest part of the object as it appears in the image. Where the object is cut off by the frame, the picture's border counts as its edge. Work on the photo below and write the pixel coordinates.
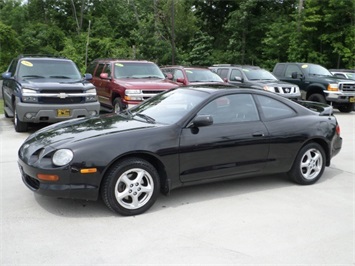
(102, 84)
(236, 144)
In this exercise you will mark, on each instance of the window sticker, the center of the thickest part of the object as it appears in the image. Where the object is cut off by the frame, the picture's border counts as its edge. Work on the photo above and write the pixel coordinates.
(27, 63)
(304, 66)
(119, 65)
(189, 71)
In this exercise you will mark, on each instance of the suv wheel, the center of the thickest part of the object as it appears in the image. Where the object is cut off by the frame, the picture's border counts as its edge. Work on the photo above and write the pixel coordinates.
(117, 105)
(317, 98)
(346, 108)
(19, 125)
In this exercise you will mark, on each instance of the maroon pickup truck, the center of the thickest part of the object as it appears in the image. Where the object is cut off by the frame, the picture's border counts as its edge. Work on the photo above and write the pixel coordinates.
(121, 84)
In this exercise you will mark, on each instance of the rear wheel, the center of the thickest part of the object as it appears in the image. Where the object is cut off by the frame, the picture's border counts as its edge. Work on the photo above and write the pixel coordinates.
(19, 125)
(346, 107)
(309, 164)
(131, 187)
(316, 97)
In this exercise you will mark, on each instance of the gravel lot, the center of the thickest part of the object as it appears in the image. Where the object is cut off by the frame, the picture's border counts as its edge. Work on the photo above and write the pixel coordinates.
(262, 220)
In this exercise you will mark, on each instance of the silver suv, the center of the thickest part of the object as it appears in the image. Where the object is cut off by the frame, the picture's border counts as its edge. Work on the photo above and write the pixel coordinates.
(256, 78)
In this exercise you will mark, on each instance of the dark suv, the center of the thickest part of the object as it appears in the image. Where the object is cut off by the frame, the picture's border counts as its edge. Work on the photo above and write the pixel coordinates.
(256, 78)
(39, 88)
(121, 84)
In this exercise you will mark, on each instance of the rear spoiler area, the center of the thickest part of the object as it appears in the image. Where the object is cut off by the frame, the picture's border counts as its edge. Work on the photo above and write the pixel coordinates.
(321, 108)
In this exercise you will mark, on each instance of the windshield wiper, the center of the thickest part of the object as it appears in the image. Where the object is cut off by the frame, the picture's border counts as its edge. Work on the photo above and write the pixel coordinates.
(60, 77)
(147, 118)
(150, 77)
(32, 76)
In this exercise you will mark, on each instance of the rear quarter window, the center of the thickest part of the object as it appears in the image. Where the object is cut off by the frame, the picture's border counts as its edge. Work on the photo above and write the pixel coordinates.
(272, 109)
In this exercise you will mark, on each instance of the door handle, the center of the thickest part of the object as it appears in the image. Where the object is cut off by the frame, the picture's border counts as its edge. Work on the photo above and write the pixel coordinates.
(258, 134)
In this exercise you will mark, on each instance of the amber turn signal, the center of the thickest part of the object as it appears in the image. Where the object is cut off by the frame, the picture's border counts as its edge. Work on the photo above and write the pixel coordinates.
(88, 170)
(48, 177)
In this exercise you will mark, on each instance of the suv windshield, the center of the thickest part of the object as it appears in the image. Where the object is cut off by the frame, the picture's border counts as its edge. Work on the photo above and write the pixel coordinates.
(258, 74)
(316, 70)
(202, 75)
(137, 70)
(47, 68)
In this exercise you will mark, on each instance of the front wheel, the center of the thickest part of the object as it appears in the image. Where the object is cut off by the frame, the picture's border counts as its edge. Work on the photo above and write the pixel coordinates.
(19, 125)
(309, 164)
(316, 97)
(131, 187)
(117, 105)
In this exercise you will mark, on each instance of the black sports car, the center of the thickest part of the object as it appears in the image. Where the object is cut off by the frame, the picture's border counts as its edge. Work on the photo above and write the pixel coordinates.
(181, 137)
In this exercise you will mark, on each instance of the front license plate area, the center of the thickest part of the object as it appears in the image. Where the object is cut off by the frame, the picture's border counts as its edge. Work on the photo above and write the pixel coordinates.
(63, 112)
(352, 99)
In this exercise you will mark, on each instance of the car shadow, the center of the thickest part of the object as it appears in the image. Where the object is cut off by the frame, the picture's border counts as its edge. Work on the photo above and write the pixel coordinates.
(179, 197)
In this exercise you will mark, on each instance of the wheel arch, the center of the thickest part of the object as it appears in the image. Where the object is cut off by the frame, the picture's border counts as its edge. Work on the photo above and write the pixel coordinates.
(159, 166)
(324, 144)
(315, 89)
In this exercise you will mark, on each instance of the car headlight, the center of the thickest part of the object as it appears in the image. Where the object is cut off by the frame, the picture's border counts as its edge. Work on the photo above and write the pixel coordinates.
(268, 88)
(62, 157)
(92, 95)
(29, 95)
(333, 87)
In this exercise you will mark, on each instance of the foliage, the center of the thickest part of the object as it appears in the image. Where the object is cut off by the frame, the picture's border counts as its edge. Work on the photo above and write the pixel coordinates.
(192, 32)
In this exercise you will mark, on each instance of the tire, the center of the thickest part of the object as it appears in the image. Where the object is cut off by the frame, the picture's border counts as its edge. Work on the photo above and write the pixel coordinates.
(316, 97)
(131, 187)
(117, 105)
(19, 125)
(346, 108)
(309, 164)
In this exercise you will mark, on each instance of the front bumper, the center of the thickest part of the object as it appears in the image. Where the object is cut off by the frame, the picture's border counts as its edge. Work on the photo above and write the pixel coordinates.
(70, 185)
(340, 97)
(49, 112)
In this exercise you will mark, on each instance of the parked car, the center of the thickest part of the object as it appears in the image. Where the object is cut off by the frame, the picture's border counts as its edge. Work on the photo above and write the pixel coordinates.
(185, 136)
(343, 73)
(191, 75)
(121, 84)
(318, 84)
(39, 88)
(256, 78)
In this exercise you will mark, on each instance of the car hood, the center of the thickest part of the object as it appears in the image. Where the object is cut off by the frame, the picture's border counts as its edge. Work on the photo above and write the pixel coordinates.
(48, 84)
(81, 129)
(147, 83)
(275, 83)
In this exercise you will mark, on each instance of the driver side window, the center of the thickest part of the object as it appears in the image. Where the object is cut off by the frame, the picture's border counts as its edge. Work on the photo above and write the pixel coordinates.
(231, 109)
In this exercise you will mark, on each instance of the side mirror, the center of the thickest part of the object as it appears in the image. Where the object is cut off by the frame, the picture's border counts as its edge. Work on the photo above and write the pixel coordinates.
(104, 75)
(169, 76)
(6, 75)
(201, 121)
(181, 80)
(239, 79)
(294, 75)
(87, 76)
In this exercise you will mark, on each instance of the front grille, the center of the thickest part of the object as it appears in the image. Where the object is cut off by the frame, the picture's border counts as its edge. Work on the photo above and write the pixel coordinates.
(347, 87)
(287, 89)
(61, 91)
(57, 100)
(33, 183)
(152, 91)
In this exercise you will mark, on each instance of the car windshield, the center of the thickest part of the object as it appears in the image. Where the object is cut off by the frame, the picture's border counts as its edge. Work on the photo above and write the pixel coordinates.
(258, 74)
(168, 107)
(202, 75)
(137, 70)
(46, 68)
(316, 70)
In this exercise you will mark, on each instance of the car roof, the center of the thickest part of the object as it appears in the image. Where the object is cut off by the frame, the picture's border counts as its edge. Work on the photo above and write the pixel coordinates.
(120, 60)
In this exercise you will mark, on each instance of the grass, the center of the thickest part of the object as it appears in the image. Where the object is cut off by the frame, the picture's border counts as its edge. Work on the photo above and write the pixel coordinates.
(1, 106)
